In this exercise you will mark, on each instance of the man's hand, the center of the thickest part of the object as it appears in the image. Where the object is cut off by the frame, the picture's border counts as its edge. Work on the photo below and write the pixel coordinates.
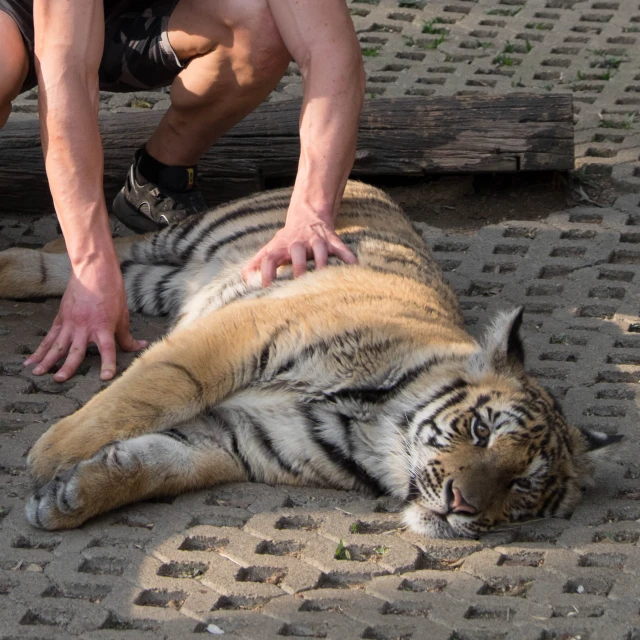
(296, 243)
(321, 39)
(93, 310)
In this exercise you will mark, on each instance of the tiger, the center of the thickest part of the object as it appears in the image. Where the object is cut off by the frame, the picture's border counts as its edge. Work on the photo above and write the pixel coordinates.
(353, 377)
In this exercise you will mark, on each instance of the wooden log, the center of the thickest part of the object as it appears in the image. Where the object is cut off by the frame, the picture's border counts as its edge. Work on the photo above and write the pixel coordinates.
(398, 137)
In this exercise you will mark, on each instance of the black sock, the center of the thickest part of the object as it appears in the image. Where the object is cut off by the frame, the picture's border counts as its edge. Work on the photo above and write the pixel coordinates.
(176, 178)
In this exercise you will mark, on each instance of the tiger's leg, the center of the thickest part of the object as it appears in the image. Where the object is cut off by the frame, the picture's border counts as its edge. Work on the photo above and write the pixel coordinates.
(27, 273)
(172, 382)
(165, 463)
(121, 244)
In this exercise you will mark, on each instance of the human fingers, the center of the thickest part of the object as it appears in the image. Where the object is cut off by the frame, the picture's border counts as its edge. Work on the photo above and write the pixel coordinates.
(124, 338)
(57, 350)
(298, 253)
(128, 343)
(340, 249)
(76, 354)
(254, 264)
(320, 253)
(44, 346)
(106, 344)
(268, 267)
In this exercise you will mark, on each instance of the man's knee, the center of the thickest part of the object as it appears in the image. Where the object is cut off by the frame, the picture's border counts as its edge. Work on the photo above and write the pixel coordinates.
(256, 32)
(13, 62)
(5, 110)
(256, 51)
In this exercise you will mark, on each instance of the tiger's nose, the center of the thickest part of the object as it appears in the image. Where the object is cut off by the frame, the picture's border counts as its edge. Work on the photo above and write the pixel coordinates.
(458, 504)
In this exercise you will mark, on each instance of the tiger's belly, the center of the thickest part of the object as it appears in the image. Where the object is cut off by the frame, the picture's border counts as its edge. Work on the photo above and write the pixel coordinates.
(283, 437)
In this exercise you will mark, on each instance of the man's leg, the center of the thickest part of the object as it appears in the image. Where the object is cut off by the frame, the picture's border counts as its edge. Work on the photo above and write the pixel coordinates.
(236, 58)
(13, 62)
(233, 57)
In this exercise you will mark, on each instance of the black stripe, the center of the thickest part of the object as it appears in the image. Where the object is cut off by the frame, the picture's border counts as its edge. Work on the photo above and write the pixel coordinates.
(378, 395)
(549, 500)
(524, 411)
(250, 209)
(38, 519)
(458, 397)
(229, 429)
(336, 455)
(247, 231)
(125, 265)
(362, 202)
(161, 291)
(153, 249)
(268, 446)
(519, 420)
(560, 494)
(457, 384)
(192, 378)
(262, 362)
(346, 423)
(177, 435)
(43, 269)
(136, 288)
(183, 230)
(353, 237)
(566, 441)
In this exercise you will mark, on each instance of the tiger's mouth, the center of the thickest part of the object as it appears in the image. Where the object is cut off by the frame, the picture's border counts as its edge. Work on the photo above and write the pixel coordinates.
(433, 524)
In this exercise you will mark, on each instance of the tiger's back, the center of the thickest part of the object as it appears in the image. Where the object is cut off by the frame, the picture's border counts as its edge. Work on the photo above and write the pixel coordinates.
(205, 252)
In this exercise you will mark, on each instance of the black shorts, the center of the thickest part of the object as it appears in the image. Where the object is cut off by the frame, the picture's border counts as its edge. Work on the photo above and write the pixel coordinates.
(137, 54)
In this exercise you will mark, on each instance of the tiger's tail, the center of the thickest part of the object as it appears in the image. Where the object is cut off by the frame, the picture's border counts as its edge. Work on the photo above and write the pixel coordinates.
(29, 273)
(35, 273)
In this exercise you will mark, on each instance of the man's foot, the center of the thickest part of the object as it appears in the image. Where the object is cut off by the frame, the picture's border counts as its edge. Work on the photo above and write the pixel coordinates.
(147, 206)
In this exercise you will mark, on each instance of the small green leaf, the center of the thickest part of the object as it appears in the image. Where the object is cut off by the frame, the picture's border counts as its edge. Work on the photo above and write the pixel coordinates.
(342, 553)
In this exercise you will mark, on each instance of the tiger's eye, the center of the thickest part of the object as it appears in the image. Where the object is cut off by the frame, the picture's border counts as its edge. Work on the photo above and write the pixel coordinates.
(480, 430)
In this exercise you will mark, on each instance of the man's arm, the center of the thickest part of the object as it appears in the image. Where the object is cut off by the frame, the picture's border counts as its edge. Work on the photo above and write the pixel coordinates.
(321, 39)
(69, 40)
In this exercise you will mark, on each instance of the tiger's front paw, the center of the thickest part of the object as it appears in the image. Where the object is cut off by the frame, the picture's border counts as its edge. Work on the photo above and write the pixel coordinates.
(58, 449)
(85, 489)
(57, 504)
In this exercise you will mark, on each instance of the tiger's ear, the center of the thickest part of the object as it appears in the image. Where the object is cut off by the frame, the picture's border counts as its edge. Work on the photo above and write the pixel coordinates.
(501, 346)
(599, 444)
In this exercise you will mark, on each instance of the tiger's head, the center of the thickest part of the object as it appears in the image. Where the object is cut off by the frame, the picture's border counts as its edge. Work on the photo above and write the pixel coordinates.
(491, 446)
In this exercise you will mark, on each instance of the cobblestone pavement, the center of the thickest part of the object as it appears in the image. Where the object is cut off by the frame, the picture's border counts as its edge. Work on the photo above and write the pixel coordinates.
(456, 47)
(260, 562)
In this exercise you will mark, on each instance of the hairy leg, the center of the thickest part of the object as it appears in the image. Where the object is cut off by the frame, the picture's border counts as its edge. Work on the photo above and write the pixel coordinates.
(13, 62)
(165, 463)
(236, 57)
